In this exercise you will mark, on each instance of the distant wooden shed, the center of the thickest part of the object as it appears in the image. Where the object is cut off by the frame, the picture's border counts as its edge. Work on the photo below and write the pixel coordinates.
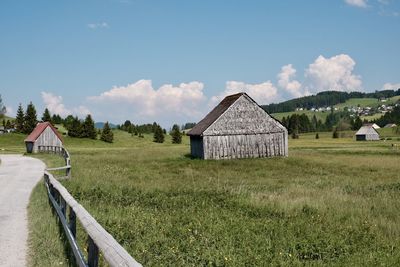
(390, 125)
(44, 134)
(238, 128)
(367, 133)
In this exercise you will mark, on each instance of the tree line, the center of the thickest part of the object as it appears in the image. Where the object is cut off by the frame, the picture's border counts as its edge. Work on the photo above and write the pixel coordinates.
(26, 121)
(389, 117)
(340, 121)
(325, 99)
(155, 129)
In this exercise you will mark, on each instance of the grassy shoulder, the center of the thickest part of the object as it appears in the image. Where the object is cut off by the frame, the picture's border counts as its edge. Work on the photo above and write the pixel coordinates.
(46, 246)
(331, 202)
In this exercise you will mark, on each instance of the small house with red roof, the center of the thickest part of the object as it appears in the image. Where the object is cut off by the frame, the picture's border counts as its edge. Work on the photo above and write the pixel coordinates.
(44, 134)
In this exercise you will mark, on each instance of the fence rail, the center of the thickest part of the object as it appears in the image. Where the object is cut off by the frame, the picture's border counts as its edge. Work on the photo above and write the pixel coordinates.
(99, 240)
(62, 152)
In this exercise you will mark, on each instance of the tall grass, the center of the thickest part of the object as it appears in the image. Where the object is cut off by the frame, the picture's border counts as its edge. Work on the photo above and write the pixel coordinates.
(331, 202)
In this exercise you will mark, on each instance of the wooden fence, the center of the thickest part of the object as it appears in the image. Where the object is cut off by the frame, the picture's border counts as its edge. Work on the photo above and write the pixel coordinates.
(62, 152)
(68, 209)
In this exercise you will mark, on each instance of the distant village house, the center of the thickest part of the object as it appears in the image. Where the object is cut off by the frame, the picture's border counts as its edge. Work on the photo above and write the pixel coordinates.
(238, 128)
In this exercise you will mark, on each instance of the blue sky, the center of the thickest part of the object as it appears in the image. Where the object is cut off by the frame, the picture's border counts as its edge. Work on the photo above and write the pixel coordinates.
(171, 61)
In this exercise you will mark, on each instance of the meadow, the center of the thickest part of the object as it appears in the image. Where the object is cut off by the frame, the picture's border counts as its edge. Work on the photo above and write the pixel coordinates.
(331, 202)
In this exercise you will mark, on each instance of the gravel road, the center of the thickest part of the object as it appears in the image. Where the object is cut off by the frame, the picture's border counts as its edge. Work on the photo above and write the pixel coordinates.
(18, 176)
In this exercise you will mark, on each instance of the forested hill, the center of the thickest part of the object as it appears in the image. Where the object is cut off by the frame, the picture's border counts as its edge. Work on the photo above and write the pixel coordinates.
(325, 99)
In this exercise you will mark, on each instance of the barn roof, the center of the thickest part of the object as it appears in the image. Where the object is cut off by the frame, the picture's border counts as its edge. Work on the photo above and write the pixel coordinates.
(211, 117)
(217, 112)
(366, 130)
(40, 127)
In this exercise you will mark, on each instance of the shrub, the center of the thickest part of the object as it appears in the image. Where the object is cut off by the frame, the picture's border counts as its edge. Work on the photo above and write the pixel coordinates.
(335, 133)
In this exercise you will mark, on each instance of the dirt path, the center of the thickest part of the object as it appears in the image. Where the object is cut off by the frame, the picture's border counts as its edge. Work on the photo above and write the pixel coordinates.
(18, 176)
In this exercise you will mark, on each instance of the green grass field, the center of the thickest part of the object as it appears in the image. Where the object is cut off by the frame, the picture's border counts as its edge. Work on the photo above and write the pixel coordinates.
(331, 202)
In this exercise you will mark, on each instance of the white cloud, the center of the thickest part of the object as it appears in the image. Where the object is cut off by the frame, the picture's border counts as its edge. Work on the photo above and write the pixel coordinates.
(101, 25)
(335, 73)
(391, 86)
(9, 111)
(357, 3)
(285, 81)
(262, 93)
(55, 105)
(140, 101)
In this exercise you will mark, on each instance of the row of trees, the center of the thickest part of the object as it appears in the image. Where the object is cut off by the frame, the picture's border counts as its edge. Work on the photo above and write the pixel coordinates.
(325, 99)
(26, 121)
(335, 120)
(86, 128)
(176, 135)
(155, 129)
(390, 117)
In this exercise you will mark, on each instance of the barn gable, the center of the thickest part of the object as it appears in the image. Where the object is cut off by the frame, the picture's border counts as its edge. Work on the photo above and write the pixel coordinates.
(244, 116)
(39, 129)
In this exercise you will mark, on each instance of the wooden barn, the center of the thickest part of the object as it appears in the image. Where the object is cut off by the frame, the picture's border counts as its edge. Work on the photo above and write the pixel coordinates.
(390, 125)
(367, 133)
(44, 134)
(238, 128)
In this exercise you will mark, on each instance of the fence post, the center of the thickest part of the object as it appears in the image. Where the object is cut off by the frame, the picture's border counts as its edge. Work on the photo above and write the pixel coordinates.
(72, 221)
(63, 206)
(93, 253)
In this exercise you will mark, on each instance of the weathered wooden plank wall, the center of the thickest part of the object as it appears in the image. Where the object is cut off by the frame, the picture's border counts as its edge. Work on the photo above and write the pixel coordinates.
(245, 146)
(47, 138)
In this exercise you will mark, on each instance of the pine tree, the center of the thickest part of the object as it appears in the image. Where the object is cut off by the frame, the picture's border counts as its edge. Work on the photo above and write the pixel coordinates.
(30, 119)
(68, 121)
(46, 115)
(56, 119)
(3, 109)
(88, 129)
(158, 136)
(75, 128)
(176, 134)
(19, 120)
(107, 134)
(357, 123)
